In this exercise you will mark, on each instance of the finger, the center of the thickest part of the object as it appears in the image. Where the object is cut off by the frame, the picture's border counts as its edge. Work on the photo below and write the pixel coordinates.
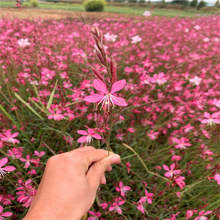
(109, 168)
(86, 148)
(103, 179)
(98, 169)
(92, 156)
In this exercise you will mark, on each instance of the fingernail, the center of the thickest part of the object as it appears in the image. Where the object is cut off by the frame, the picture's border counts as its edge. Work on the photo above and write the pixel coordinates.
(104, 180)
(115, 157)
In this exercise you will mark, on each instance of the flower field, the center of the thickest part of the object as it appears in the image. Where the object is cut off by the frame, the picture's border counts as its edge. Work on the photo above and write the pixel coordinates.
(146, 88)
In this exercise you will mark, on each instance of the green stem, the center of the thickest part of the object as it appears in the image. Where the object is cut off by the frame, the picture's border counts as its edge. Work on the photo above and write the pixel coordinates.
(109, 136)
(144, 165)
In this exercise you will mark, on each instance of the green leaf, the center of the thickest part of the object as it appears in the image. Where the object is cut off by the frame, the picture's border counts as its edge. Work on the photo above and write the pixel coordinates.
(13, 121)
(50, 101)
(28, 106)
(42, 108)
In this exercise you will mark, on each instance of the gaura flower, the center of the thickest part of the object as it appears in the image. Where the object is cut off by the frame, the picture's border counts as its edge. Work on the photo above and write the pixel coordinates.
(122, 188)
(147, 13)
(136, 39)
(23, 42)
(106, 98)
(217, 178)
(3, 168)
(88, 135)
(211, 119)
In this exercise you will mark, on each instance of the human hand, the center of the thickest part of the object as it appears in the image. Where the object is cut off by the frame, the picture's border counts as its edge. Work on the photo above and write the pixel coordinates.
(69, 184)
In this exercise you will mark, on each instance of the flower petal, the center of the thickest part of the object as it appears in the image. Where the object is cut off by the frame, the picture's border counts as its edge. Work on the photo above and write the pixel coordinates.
(3, 161)
(118, 101)
(172, 166)
(82, 139)
(9, 168)
(93, 98)
(100, 86)
(118, 86)
(165, 167)
(7, 214)
(97, 136)
(82, 132)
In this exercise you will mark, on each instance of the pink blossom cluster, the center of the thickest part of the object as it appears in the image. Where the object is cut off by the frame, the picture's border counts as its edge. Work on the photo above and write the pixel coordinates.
(151, 83)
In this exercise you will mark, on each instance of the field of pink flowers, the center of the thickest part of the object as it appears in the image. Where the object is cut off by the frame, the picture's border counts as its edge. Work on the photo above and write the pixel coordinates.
(147, 89)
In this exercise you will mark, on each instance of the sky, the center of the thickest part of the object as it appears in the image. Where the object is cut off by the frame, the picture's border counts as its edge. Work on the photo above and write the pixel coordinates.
(210, 2)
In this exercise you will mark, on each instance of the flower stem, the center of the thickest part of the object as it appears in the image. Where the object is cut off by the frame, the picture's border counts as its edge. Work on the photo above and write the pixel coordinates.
(144, 165)
(109, 135)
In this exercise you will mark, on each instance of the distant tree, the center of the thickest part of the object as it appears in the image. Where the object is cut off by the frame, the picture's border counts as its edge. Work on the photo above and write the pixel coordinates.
(194, 3)
(217, 4)
(201, 4)
(181, 2)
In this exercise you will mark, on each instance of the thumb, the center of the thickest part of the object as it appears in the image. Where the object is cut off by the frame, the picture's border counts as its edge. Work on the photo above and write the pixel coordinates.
(97, 170)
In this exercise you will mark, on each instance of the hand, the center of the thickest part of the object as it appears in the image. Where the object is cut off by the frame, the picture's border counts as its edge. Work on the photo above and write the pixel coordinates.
(69, 184)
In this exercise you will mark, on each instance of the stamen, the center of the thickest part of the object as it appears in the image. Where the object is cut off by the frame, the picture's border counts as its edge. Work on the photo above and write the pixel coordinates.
(88, 139)
(2, 173)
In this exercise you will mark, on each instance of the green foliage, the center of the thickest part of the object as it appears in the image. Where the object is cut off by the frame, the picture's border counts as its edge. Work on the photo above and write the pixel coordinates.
(201, 4)
(94, 5)
(194, 3)
(34, 3)
(181, 2)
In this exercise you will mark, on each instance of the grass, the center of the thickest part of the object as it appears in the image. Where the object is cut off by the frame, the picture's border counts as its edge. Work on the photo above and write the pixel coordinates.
(118, 9)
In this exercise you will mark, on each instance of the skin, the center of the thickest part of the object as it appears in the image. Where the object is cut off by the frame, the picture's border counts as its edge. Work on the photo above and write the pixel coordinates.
(69, 184)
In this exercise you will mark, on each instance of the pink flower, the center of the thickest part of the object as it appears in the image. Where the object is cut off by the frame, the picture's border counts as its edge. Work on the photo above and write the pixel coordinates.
(104, 205)
(56, 115)
(181, 143)
(95, 216)
(122, 189)
(39, 154)
(116, 205)
(153, 134)
(216, 102)
(128, 165)
(131, 130)
(7, 136)
(176, 157)
(28, 161)
(15, 152)
(159, 78)
(106, 98)
(88, 135)
(69, 140)
(5, 169)
(202, 215)
(149, 196)
(171, 172)
(217, 178)
(173, 217)
(140, 207)
(25, 192)
(211, 119)
(180, 181)
(6, 199)
(189, 214)
(4, 214)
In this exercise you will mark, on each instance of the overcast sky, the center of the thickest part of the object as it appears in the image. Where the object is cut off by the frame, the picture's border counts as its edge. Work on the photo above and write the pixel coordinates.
(210, 2)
